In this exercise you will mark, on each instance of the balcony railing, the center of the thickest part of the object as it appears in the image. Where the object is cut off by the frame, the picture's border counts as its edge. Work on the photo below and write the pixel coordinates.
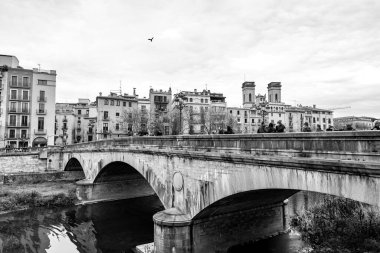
(19, 97)
(40, 111)
(18, 110)
(41, 99)
(17, 136)
(20, 84)
(39, 131)
(18, 124)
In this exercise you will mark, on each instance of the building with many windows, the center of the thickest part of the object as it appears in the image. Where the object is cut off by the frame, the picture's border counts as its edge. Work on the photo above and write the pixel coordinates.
(117, 115)
(27, 102)
(358, 123)
(75, 122)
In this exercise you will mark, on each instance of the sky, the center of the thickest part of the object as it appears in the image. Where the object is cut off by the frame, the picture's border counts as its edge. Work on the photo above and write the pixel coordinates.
(323, 52)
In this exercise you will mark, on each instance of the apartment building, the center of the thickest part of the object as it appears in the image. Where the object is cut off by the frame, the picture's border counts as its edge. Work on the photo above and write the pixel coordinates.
(202, 111)
(75, 122)
(27, 102)
(117, 115)
(160, 121)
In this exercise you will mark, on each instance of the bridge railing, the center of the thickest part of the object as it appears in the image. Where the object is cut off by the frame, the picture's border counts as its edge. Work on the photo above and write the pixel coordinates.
(359, 145)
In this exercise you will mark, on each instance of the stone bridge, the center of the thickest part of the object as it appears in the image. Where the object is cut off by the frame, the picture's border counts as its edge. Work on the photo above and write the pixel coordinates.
(222, 190)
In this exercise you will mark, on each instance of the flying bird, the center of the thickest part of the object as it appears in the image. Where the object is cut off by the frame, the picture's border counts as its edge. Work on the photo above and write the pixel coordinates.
(151, 39)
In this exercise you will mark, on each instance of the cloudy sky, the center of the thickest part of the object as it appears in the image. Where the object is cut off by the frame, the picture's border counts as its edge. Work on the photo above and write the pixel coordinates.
(324, 52)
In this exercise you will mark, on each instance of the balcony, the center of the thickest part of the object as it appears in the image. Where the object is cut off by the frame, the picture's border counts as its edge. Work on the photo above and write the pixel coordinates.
(106, 118)
(40, 131)
(17, 136)
(18, 110)
(41, 99)
(19, 98)
(18, 124)
(20, 84)
(40, 111)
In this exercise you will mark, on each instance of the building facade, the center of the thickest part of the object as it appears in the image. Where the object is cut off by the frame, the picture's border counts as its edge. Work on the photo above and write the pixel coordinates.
(358, 123)
(27, 102)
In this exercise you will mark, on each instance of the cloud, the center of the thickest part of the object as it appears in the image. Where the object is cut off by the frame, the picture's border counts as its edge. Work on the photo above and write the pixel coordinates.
(323, 53)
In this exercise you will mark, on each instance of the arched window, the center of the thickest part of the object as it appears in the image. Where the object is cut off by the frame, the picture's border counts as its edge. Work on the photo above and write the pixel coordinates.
(270, 98)
(250, 97)
(276, 98)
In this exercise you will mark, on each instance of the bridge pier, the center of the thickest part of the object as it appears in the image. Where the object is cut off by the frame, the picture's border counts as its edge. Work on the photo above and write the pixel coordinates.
(175, 232)
(113, 190)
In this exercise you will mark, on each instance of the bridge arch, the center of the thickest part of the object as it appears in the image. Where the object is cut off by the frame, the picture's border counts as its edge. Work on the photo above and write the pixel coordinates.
(73, 164)
(126, 181)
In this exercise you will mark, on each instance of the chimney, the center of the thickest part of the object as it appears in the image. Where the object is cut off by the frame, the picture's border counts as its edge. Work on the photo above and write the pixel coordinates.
(134, 91)
(314, 106)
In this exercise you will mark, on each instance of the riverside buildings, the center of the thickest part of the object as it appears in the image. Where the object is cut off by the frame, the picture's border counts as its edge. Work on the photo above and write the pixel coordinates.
(27, 102)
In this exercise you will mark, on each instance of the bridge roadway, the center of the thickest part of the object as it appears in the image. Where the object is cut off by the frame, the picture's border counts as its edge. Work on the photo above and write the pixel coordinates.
(222, 190)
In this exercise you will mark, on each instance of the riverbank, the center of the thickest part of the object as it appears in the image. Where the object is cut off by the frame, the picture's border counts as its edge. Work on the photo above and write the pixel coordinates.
(15, 197)
(339, 225)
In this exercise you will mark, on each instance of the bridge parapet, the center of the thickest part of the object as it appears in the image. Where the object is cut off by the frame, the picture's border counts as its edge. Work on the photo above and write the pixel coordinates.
(357, 146)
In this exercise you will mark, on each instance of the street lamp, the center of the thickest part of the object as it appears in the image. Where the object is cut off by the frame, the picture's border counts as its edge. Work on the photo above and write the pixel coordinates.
(180, 105)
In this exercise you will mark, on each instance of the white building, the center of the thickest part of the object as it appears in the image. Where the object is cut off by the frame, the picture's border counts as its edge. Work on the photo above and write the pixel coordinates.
(27, 104)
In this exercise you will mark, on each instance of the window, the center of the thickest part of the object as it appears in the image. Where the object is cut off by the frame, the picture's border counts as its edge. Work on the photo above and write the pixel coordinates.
(105, 115)
(106, 102)
(313, 119)
(117, 127)
(42, 95)
(238, 112)
(14, 80)
(329, 120)
(230, 111)
(279, 115)
(124, 104)
(79, 112)
(23, 134)
(191, 99)
(12, 133)
(130, 104)
(41, 107)
(117, 114)
(25, 81)
(42, 82)
(245, 113)
(250, 97)
(275, 97)
(324, 120)
(105, 127)
(118, 102)
(245, 120)
(12, 120)
(253, 120)
(13, 107)
(206, 101)
(25, 95)
(270, 98)
(13, 94)
(40, 123)
(24, 107)
(24, 120)
(201, 100)
(238, 120)
(112, 102)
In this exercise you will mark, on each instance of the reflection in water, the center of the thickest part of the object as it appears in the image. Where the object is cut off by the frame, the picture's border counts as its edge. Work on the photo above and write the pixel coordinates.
(114, 226)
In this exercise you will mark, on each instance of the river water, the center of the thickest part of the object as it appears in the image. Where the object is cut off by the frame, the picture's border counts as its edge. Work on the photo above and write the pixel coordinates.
(116, 226)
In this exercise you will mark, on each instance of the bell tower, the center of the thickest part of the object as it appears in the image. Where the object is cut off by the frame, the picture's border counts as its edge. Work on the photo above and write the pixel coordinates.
(274, 92)
(249, 97)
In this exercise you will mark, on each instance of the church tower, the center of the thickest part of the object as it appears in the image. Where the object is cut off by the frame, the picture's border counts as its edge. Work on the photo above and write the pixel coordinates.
(274, 92)
(249, 96)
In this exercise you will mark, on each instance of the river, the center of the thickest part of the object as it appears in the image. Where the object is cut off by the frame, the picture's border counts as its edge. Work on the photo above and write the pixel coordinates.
(116, 226)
